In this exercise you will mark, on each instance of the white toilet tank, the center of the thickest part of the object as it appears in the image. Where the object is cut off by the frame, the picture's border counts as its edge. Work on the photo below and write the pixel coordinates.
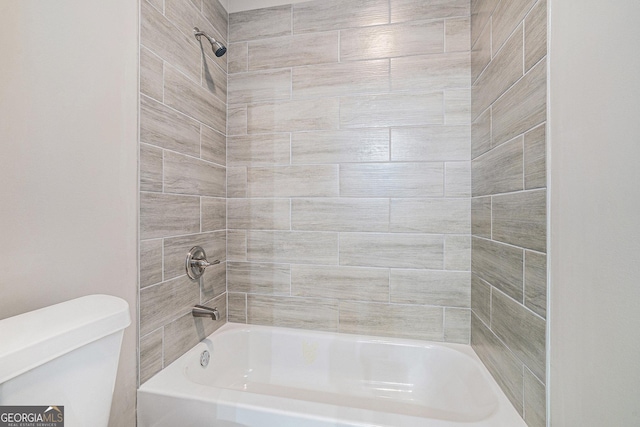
(64, 355)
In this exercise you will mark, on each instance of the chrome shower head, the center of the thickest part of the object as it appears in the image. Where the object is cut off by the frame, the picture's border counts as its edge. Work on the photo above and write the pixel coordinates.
(218, 48)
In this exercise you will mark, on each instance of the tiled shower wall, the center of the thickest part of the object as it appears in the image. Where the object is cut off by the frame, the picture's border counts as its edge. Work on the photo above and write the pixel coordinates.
(509, 286)
(348, 167)
(183, 94)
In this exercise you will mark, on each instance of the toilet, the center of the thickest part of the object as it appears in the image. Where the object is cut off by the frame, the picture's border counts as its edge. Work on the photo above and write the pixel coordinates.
(65, 355)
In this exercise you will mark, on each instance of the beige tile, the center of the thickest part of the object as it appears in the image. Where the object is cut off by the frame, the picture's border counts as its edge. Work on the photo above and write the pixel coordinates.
(501, 363)
(214, 78)
(293, 51)
(535, 35)
(188, 175)
(165, 302)
(237, 308)
(164, 127)
(150, 262)
(500, 265)
(185, 332)
(430, 143)
(346, 78)
(185, 15)
(499, 170)
(481, 217)
(439, 216)
(217, 15)
(392, 250)
(481, 53)
(391, 110)
(150, 168)
(457, 34)
(342, 146)
(392, 180)
(259, 149)
(388, 41)
(344, 283)
(535, 412)
(430, 72)
(160, 36)
(158, 4)
(457, 179)
(214, 214)
(150, 355)
(507, 16)
(260, 23)
(481, 299)
(521, 330)
(457, 106)
(236, 182)
(520, 219)
(291, 116)
(430, 287)
(151, 69)
(260, 86)
(293, 312)
(331, 214)
(407, 321)
(457, 325)
(258, 278)
(214, 282)
(457, 253)
(481, 134)
(329, 15)
(414, 10)
(193, 100)
(259, 214)
(236, 245)
(237, 120)
(292, 247)
(238, 57)
(535, 282)
(176, 249)
(293, 181)
(502, 72)
(480, 16)
(535, 164)
(164, 215)
(213, 146)
(523, 106)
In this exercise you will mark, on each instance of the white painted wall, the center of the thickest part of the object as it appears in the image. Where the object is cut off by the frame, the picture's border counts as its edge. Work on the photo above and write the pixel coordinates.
(595, 213)
(68, 165)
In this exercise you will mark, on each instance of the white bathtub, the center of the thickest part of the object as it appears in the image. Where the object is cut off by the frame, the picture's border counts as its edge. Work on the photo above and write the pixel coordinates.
(274, 377)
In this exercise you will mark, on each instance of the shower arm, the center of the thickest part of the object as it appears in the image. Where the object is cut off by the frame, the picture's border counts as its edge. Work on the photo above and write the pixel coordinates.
(218, 48)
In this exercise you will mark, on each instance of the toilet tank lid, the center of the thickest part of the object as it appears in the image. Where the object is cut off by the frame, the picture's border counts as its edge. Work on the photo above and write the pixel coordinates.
(31, 339)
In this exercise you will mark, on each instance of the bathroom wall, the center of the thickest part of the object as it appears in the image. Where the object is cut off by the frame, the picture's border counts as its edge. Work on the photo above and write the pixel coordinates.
(508, 143)
(348, 167)
(68, 169)
(183, 95)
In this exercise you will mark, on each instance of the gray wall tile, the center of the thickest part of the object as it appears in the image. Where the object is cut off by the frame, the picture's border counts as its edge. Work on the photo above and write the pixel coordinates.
(457, 106)
(507, 16)
(188, 175)
(391, 110)
(185, 15)
(217, 15)
(480, 14)
(293, 312)
(430, 287)
(213, 145)
(457, 324)
(520, 219)
(436, 215)
(408, 321)
(176, 248)
(164, 127)
(150, 355)
(168, 215)
(481, 53)
(498, 264)
(236, 245)
(413, 10)
(259, 214)
(457, 179)
(292, 247)
(535, 35)
(456, 35)
(238, 57)
(481, 299)
(521, 330)
(500, 170)
(214, 78)
(288, 116)
(392, 180)
(481, 134)
(260, 23)
(343, 146)
(535, 165)
(535, 282)
(392, 250)
(151, 69)
(535, 413)
(432, 143)
(165, 302)
(457, 252)
(344, 283)
(329, 15)
(332, 214)
(446, 70)
(214, 282)
(150, 262)
(237, 309)
(214, 214)
(236, 182)
(293, 181)
(260, 86)
(293, 51)
(388, 41)
(259, 149)
(259, 278)
(481, 217)
(237, 120)
(150, 168)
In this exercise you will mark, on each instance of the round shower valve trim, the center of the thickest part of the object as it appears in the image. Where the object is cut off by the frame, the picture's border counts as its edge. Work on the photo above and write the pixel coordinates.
(196, 263)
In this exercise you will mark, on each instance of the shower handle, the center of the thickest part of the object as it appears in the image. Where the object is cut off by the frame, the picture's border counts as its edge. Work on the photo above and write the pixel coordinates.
(196, 263)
